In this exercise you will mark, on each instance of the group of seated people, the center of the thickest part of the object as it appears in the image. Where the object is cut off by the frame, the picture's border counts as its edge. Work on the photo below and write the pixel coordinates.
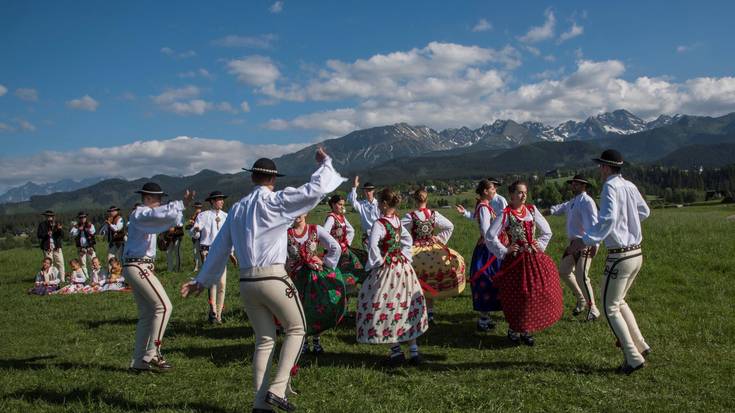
(50, 281)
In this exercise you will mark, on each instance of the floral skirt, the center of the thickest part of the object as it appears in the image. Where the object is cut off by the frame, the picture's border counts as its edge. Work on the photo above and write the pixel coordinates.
(530, 291)
(323, 295)
(42, 289)
(483, 268)
(440, 270)
(352, 265)
(77, 289)
(391, 307)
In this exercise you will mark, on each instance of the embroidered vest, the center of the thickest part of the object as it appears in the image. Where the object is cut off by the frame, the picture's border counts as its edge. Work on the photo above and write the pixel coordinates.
(423, 231)
(339, 230)
(302, 253)
(87, 234)
(519, 231)
(390, 244)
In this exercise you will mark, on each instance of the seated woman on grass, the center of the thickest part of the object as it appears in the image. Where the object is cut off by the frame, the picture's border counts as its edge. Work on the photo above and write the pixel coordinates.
(47, 279)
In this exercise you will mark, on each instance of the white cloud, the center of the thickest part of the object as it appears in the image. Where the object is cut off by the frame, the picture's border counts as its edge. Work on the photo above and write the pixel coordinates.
(129, 96)
(177, 156)
(245, 106)
(27, 94)
(21, 125)
(226, 107)
(171, 95)
(276, 7)
(254, 70)
(204, 73)
(262, 41)
(540, 33)
(482, 25)
(178, 55)
(573, 32)
(685, 48)
(25, 126)
(3, 90)
(85, 102)
(186, 101)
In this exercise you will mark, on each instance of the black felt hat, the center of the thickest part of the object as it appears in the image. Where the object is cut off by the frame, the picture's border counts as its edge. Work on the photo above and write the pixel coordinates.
(610, 157)
(578, 178)
(197, 204)
(494, 181)
(368, 186)
(113, 208)
(82, 214)
(264, 166)
(151, 188)
(49, 213)
(215, 195)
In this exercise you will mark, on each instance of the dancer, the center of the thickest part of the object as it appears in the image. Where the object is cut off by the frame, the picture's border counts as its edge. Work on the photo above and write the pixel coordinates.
(205, 230)
(581, 213)
(195, 241)
(351, 260)
(367, 208)
(83, 235)
(391, 307)
(154, 306)
(257, 229)
(484, 264)
(528, 282)
(622, 208)
(114, 231)
(49, 234)
(47, 279)
(320, 284)
(440, 270)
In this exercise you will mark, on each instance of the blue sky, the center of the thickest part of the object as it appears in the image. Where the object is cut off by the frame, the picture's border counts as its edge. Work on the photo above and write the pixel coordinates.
(94, 77)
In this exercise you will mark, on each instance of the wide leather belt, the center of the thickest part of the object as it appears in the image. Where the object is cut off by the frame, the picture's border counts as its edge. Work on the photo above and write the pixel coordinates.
(624, 249)
(142, 260)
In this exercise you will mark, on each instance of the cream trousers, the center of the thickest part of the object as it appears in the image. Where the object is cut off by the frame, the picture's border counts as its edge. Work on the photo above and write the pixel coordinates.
(575, 274)
(268, 293)
(620, 272)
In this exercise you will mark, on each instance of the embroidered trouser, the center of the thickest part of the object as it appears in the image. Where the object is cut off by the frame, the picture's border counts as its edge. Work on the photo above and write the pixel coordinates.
(217, 290)
(574, 271)
(57, 258)
(267, 292)
(154, 310)
(620, 272)
(85, 252)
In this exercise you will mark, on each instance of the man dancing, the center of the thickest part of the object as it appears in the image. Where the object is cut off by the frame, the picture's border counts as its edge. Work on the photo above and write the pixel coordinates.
(257, 229)
(581, 213)
(622, 209)
(367, 208)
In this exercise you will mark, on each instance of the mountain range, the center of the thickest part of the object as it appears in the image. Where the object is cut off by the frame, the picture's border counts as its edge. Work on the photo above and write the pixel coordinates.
(29, 189)
(404, 153)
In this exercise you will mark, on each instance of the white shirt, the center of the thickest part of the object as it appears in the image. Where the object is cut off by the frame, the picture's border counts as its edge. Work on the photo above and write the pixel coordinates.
(333, 250)
(543, 233)
(257, 225)
(145, 223)
(483, 216)
(106, 228)
(78, 276)
(368, 211)
(581, 213)
(375, 256)
(622, 209)
(498, 203)
(444, 225)
(329, 223)
(98, 276)
(83, 237)
(50, 276)
(206, 227)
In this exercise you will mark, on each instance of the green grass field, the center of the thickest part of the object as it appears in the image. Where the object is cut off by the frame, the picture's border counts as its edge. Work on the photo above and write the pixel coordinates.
(70, 353)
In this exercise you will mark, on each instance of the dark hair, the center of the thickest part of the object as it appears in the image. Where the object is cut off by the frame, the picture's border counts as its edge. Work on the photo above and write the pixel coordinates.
(615, 169)
(335, 199)
(514, 186)
(389, 196)
(482, 186)
(261, 178)
(73, 260)
(48, 259)
(420, 195)
(113, 259)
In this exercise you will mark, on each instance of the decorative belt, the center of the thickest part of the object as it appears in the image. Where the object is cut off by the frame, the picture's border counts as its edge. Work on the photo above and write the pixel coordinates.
(203, 247)
(624, 249)
(142, 260)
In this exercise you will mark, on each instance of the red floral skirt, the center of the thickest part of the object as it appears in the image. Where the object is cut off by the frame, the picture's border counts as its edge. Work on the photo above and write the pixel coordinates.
(529, 291)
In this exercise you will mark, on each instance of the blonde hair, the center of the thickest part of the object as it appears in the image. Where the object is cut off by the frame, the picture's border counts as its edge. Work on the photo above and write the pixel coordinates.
(390, 197)
(421, 195)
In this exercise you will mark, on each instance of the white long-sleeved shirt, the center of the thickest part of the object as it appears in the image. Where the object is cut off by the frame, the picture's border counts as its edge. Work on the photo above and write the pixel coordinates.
(581, 213)
(257, 225)
(329, 223)
(442, 224)
(78, 276)
(206, 227)
(50, 276)
(375, 255)
(492, 237)
(107, 228)
(483, 216)
(82, 237)
(368, 211)
(145, 223)
(498, 203)
(333, 250)
(98, 276)
(622, 208)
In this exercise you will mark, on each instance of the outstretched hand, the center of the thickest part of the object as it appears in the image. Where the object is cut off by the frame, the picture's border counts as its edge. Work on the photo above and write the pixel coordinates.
(191, 287)
(356, 181)
(321, 155)
(188, 197)
(460, 209)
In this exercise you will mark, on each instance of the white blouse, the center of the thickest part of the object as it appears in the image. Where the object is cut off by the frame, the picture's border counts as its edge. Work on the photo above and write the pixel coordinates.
(329, 223)
(375, 256)
(368, 211)
(206, 226)
(443, 225)
(328, 242)
(50, 276)
(257, 225)
(98, 276)
(78, 276)
(83, 237)
(483, 216)
(492, 240)
(145, 223)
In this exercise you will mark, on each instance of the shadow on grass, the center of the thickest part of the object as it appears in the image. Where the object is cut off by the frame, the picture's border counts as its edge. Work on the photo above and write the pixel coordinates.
(204, 329)
(36, 363)
(92, 324)
(98, 396)
(220, 356)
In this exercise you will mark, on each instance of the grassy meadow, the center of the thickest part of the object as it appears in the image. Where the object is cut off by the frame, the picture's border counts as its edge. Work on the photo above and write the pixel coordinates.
(71, 353)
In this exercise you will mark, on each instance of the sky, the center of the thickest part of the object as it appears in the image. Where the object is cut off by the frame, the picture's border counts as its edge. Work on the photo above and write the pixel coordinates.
(136, 88)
